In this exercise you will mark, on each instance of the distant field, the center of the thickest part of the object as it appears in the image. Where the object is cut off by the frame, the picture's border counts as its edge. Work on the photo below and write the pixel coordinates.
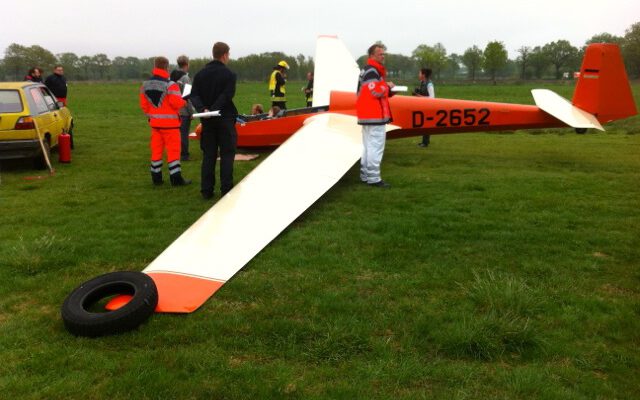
(498, 266)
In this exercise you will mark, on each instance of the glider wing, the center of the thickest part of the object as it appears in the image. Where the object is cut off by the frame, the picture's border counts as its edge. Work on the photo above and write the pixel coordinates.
(272, 196)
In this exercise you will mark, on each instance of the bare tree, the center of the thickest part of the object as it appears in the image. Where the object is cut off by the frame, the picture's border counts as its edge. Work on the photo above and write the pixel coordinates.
(523, 60)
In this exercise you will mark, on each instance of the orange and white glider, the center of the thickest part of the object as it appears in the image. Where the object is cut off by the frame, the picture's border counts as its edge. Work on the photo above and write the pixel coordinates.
(318, 145)
(321, 143)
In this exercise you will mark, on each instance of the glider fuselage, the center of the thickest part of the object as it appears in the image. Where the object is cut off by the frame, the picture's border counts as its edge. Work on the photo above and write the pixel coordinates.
(415, 115)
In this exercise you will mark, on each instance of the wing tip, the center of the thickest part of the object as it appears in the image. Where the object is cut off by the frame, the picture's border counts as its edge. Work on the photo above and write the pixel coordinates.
(179, 293)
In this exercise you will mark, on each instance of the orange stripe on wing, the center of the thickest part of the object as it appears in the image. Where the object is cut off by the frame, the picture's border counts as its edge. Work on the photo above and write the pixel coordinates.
(179, 293)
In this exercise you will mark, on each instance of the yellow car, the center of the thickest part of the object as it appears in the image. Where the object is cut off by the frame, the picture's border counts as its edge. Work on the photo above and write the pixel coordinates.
(29, 109)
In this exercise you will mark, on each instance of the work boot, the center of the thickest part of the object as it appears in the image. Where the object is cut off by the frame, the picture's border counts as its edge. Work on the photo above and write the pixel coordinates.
(178, 180)
(156, 178)
(156, 172)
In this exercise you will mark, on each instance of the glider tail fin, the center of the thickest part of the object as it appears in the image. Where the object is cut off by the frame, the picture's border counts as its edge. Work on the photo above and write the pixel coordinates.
(603, 88)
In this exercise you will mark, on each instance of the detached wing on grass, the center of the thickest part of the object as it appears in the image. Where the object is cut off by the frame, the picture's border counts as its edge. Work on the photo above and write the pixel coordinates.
(272, 196)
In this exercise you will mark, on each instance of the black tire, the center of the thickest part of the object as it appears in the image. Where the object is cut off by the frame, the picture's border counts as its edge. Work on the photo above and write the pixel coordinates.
(581, 131)
(81, 321)
(39, 162)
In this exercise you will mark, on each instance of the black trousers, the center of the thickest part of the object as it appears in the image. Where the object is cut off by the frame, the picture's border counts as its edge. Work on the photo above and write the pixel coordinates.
(218, 134)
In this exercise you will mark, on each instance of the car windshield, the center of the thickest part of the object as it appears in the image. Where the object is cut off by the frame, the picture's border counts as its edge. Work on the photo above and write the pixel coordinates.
(10, 101)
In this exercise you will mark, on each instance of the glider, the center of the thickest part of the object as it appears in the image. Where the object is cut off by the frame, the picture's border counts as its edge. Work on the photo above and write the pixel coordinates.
(318, 145)
(602, 95)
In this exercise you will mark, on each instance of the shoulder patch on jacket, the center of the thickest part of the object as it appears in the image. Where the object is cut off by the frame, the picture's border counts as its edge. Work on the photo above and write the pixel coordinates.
(369, 73)
(155, 91)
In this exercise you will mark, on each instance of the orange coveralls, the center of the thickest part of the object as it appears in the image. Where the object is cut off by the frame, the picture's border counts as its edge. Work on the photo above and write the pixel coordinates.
(161, 100)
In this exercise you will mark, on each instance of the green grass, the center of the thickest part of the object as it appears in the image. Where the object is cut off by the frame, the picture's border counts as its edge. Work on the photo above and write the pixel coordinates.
(497, 266)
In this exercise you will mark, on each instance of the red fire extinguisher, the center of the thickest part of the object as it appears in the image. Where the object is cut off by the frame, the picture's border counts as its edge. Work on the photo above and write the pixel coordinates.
(64, 148)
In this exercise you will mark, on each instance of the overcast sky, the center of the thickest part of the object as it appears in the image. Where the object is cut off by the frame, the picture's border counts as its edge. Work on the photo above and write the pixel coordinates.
(146, 28)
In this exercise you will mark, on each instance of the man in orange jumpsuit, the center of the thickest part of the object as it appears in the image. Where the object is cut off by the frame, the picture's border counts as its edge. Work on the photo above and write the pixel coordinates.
(160, 99)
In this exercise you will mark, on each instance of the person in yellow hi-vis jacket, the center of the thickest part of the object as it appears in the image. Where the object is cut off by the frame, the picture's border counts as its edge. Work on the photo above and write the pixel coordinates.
(277, 83)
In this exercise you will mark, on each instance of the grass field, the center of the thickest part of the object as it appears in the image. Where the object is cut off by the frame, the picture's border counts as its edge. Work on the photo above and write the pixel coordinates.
(498, 266)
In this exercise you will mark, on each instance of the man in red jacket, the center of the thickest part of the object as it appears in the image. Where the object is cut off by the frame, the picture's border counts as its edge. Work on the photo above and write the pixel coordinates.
(160, 99)
(372, 109)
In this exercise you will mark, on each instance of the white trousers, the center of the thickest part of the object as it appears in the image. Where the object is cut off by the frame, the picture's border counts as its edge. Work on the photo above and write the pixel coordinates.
(373, 139)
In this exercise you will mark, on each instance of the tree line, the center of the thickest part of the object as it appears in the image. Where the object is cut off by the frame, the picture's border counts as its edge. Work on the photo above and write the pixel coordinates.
(18, 59)
(553, 60)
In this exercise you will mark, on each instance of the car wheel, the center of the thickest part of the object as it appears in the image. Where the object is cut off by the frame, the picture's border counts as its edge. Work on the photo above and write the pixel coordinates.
(40, 162)
(78, 310)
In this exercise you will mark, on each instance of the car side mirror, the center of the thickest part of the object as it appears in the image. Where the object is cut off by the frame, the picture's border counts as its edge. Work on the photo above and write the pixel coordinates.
(60, 104)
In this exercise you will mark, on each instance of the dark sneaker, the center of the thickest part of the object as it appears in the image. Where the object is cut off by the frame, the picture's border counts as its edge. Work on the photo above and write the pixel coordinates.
(422, 144)
(178, 180)
(380, 184)
(225, 190)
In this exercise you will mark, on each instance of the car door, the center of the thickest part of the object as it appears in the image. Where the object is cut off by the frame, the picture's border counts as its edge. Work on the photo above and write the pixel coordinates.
(43, 117)
(58, 122)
